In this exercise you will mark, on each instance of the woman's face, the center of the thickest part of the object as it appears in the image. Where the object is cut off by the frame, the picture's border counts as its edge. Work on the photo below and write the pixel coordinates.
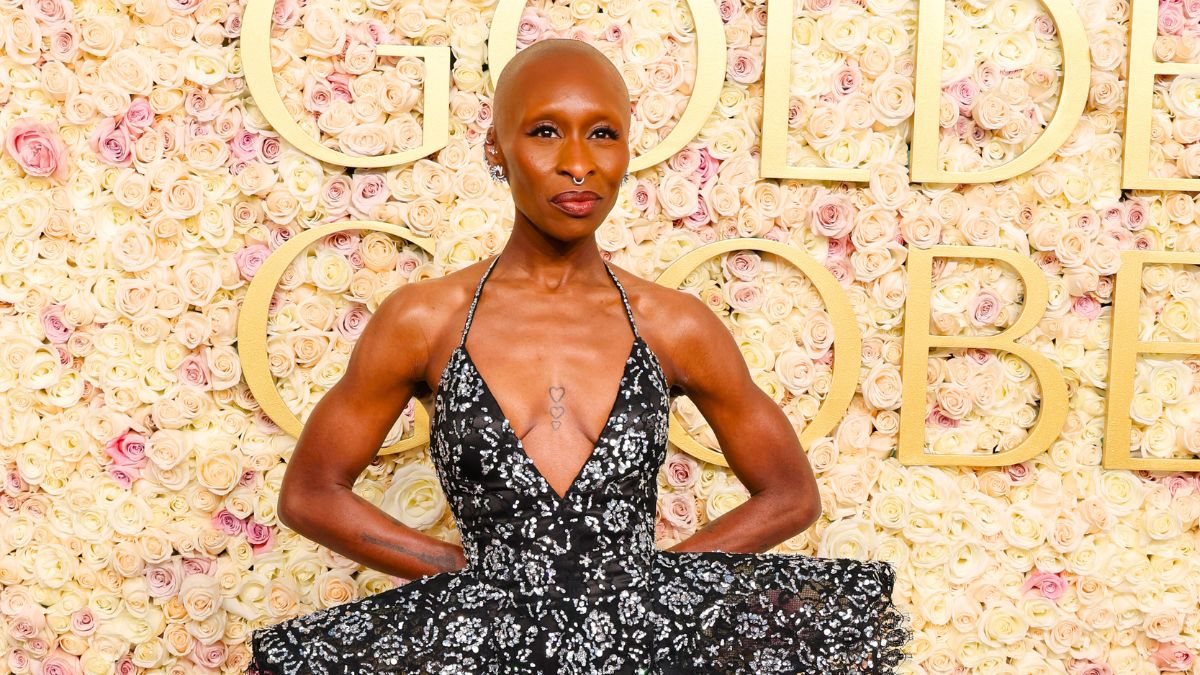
(568, 122)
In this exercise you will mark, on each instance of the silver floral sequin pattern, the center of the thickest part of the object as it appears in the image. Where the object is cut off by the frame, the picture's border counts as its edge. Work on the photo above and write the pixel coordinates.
(574, 583)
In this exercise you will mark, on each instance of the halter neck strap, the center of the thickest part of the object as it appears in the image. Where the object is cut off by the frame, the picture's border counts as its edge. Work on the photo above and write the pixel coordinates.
(479, 289)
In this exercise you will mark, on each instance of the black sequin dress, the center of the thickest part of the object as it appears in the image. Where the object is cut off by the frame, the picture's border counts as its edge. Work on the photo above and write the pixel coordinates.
(575, 584)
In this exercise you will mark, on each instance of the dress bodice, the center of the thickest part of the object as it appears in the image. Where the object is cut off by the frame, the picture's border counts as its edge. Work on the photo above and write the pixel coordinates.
(518, 532)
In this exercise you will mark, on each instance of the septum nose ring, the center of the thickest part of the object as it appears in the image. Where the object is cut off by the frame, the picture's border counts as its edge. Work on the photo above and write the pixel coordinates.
(577, 181)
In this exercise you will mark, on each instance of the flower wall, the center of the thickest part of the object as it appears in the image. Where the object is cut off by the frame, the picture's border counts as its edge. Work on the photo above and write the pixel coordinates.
(141, 189)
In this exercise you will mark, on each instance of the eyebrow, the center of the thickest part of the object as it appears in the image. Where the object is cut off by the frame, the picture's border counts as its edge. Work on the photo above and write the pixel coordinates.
(553, 110)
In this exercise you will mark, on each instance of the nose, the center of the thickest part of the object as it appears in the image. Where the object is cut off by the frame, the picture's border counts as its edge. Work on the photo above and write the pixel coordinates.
(575, 159)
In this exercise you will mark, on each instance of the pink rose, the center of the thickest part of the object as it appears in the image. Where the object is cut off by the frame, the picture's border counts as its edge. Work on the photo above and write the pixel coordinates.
(938, 419)
(232, 23)
(339, 83)
(244, 144)
(83, 622)
(226, 522)
(128, 449)
(250, 258)
(831, 215)
(1085, 306)
(987, 75)
(317, 94)
(1172, 656)
(1019, 473)
(367, 191)
(728, 9)
(37, 148)
(209, 656)
(1050, 584)
(163, 580)
(744, 66)
(138, 116)
(985, 308)
(1044, 28)
(201, 106)
(53, 324)
(342, 243)
(249, 478)
(1170, 17)
(1112, 216)
(26, 624)
(531, 27)
(13, 481)
(285, 13)
(841, 270)
(269, 148)
(838, 247)
(613, 33)
(1177, 483)
(199, 565)
(744, 265)
(124, 475)
(681, 471)
(50, 11)
(1090, 668)
(1135, 215)
(744, 296)
(847, 79)
(700, 217)
(963, 92)
(257, 533)
(644, 196)
(193, 371)
(679, 511)
(111, 141)
(978, 356)
(183, 7)
(708, 166)
(266, 545)
(61, 663)
(352, 322)
(334, 196)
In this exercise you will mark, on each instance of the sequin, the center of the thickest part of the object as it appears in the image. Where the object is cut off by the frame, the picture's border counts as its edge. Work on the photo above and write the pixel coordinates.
(575, 584)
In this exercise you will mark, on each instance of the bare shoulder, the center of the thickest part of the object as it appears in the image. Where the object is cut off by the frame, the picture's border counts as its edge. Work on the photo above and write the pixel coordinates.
(673, 322)
(422, 317)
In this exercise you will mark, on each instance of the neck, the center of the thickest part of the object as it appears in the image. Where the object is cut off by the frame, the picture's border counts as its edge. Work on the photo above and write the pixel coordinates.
(543, 262)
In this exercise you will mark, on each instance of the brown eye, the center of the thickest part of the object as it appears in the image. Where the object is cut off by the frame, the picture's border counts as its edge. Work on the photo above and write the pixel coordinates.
(539, 128)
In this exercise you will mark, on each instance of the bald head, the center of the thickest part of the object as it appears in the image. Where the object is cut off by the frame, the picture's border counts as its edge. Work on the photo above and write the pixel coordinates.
(541, 62)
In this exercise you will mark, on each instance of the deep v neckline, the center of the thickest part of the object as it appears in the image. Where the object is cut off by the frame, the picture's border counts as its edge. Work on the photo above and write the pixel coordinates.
(506, 423)
(519, 446)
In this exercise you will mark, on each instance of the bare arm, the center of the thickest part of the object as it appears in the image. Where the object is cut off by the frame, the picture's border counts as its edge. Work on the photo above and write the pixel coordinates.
(755, 435)
(346, 429)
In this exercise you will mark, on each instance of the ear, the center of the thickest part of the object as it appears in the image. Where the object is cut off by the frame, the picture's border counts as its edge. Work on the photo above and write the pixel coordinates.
(491, 149)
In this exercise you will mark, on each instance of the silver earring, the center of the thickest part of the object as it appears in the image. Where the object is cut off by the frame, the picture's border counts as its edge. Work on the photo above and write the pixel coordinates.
(497, 173)
(625, 178)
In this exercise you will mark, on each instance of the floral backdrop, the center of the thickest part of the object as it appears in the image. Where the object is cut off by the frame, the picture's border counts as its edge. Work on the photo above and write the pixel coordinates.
(141, 188)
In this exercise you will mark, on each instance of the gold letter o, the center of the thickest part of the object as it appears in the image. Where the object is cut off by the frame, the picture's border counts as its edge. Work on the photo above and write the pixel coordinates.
(252, 328)
(846, 339)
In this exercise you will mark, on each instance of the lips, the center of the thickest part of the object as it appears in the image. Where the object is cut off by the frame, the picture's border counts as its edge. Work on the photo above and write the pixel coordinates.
(576, 202)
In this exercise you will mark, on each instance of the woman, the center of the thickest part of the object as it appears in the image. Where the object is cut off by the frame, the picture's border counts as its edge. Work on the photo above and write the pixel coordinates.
(558, 571)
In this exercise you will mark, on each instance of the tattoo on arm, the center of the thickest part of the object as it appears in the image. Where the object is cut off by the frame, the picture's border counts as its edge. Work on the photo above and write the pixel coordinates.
(440, 560)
